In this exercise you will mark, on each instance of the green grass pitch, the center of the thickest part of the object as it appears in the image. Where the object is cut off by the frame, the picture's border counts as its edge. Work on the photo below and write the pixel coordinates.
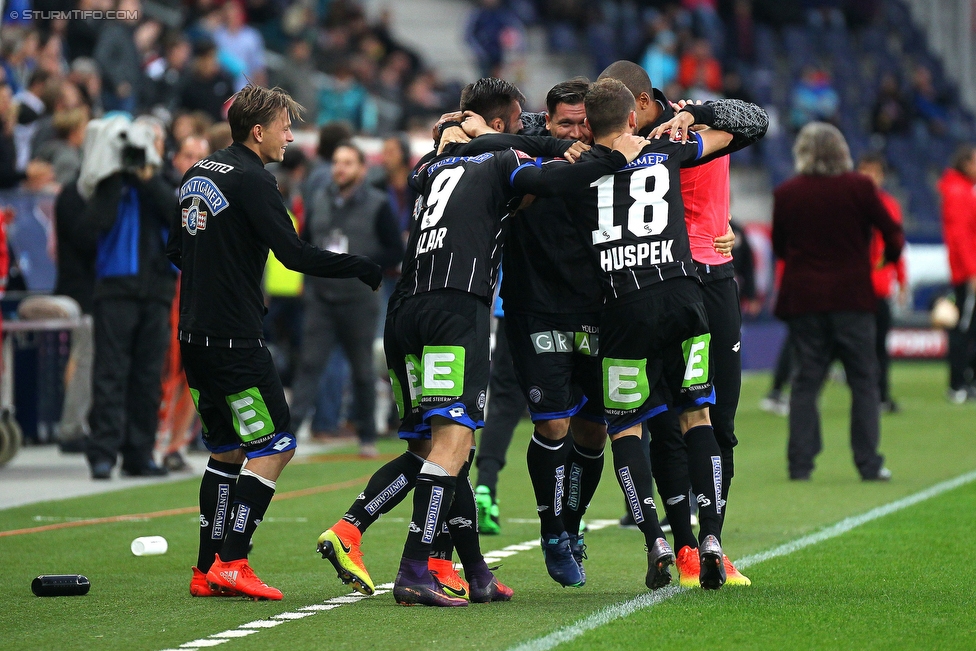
(902, 581)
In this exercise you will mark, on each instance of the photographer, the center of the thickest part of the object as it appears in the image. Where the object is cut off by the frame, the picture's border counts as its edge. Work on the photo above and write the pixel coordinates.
(131, 210)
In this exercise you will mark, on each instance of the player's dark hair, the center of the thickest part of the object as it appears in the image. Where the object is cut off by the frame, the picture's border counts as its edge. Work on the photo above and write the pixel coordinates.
(330, 135)
(632, 75)
(490, 98)
(962, 155)
(572, 91)
(608, 104)
(258, 105)
(349, 144)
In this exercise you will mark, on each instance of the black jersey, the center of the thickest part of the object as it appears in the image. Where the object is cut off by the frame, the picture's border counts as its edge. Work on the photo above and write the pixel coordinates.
(231, 214)
(461, 216)
(635, 218)
(547, 265)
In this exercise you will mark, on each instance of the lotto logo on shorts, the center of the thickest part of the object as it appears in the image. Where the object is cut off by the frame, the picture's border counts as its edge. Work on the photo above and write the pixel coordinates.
(696, 360)
(443, 371)
(624, 383)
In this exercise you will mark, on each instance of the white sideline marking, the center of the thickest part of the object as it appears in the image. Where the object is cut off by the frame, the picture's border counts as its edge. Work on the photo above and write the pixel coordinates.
(646, 600)
(196, 644)
(263, 623)
(292, 615)
(353, 597)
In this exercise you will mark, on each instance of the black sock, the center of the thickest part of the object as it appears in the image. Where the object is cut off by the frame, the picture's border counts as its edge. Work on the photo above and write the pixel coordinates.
(547, 470)
(633, 472)
(584, 467)
(705, 472)
(216, 497)
(386, 488)
(674, 491)
(432, 499)
(251, 500)
(728, 470)
(462, 520)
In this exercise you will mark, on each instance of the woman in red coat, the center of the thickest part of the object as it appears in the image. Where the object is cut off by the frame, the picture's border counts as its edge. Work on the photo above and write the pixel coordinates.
(822, 225)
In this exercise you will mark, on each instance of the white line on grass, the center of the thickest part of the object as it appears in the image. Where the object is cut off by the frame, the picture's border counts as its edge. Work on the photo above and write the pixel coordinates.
(351, 598)
(647, 600)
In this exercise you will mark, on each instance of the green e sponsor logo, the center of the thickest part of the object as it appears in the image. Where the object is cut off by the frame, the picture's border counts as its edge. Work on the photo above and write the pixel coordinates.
(196, 405)
(443, 371)
(397, 393)
(696, 359)
(415, 372)
(624, 383)
(252, 420)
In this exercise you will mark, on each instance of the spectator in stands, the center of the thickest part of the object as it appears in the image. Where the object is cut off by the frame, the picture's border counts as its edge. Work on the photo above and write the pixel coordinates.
(344, 98)
(931, 105)
(118, 59)
(81, 34)
(166, 73)
(814, 98)
(491, 30)
(660, 58)
(298, 78)
(822, 220)
(31, 107)
(699, 69)
(347, 216)
(892, 111)
(84, 74)
(207, 86)
(219, 136)
(18, 50)
(959, 232)
(37, 173)
(884, 276)
(320, 169)
(64, 151)
(238, 40)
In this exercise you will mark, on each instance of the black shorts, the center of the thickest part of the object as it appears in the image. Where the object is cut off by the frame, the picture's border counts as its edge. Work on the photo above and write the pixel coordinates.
(655, 354)
(557, 364)
(437, 350)
(239, 398)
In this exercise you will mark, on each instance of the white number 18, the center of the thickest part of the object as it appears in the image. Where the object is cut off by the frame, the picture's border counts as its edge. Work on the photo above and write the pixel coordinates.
(637, 222)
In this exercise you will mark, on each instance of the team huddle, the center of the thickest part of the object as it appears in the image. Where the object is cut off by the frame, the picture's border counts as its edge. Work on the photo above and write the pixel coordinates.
(621, 309)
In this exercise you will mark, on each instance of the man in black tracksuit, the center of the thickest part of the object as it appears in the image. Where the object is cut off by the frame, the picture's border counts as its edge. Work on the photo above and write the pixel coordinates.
(231, 215)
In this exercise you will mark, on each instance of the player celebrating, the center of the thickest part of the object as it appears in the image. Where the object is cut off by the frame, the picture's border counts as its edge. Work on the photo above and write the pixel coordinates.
(653, 331)
(705, 193)
(232, 213)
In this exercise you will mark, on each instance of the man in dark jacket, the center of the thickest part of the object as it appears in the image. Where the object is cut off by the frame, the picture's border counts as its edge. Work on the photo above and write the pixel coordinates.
(348, 216)
(134, 286)
(822, 229)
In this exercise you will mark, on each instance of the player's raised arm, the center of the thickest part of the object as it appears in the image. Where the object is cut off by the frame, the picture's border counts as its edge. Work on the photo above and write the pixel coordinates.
(739, 123)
